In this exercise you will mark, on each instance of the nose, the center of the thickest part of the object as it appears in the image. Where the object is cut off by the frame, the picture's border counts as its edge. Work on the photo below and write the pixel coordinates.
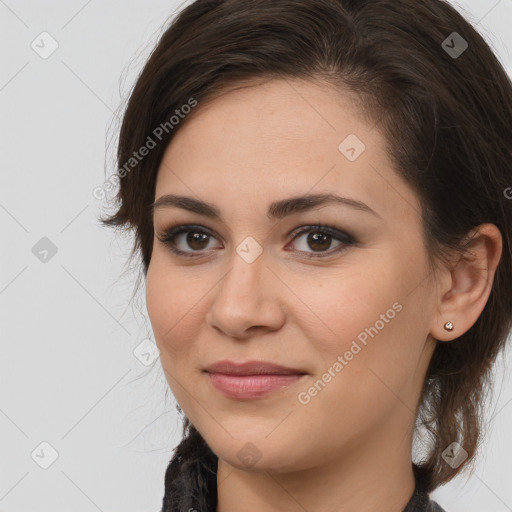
(247, 299)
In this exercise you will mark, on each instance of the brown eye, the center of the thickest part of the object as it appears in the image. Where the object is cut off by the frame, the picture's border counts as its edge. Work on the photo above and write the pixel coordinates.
(196, 240)
(320, 239)
(189, 237)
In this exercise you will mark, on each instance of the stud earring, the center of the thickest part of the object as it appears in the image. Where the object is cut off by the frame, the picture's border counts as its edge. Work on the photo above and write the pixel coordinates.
(448, 326)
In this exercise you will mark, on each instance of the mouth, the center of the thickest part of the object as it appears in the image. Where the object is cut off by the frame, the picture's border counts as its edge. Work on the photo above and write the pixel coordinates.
(252, 379)
(250, 387)
(252, 368)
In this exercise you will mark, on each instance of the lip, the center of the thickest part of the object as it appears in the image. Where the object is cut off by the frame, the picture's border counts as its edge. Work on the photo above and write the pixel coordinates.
(250, 387)
(252, 379)
(252, 368)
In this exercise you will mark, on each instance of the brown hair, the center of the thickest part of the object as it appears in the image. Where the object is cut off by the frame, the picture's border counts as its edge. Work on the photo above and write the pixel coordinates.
(447, 120)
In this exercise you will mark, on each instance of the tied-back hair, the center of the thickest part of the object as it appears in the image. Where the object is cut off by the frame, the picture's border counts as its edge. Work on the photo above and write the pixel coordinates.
(191, 476)
(447, 122)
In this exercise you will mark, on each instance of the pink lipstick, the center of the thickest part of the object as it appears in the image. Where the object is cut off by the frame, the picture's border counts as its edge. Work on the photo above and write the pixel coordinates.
(252, 379)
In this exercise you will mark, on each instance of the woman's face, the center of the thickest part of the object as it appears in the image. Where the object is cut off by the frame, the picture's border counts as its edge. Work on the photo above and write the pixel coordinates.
(351, 306)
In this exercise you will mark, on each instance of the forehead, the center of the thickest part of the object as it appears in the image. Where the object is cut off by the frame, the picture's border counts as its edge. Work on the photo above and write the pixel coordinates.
(283, 138)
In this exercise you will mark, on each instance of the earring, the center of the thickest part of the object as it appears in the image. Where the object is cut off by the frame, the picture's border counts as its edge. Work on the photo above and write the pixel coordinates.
(448, 326)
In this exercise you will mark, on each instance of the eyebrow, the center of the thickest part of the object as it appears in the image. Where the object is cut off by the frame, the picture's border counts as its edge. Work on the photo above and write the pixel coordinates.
(276, 210)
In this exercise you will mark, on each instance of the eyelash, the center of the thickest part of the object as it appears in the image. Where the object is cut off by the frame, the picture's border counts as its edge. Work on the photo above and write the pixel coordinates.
(168, 235)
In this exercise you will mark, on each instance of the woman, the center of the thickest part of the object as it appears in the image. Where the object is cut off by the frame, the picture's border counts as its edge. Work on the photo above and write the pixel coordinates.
(318, 192)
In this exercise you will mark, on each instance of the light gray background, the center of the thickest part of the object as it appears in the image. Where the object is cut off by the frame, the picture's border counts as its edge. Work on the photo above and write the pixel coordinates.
(68, 373)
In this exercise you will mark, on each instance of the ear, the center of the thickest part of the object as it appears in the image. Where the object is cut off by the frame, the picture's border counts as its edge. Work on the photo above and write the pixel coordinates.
(464, 287)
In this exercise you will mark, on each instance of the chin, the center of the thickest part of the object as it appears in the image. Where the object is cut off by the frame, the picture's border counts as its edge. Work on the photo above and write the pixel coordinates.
(258, 455)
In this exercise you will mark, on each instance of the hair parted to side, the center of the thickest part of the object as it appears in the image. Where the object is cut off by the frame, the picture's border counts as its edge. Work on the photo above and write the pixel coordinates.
(448, 125)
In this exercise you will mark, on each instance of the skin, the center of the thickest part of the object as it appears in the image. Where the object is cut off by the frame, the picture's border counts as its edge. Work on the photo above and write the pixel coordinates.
(349, 448)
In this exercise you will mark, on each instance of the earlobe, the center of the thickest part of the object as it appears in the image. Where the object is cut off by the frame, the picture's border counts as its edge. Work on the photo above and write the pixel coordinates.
(469, 284)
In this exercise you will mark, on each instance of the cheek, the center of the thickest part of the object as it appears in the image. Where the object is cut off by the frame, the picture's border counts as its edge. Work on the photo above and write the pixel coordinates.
(369, 317)
(170, 304)
(173, 304)
(341, 305)
(359, 326)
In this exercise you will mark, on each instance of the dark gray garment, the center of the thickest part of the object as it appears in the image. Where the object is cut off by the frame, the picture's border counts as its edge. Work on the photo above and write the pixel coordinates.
(419, 502)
